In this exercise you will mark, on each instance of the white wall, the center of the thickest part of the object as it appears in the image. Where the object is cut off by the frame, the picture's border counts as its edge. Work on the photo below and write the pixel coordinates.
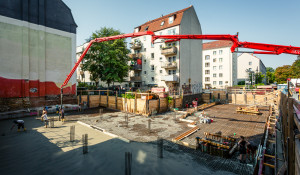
(191, 52)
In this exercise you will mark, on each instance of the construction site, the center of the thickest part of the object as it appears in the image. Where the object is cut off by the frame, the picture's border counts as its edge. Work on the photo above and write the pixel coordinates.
(178, 125)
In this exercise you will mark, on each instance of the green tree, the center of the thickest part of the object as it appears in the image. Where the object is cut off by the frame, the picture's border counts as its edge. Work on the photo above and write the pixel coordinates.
(107, 61)
(295, 69)
(270, 75)
(259, 77)
(282, 73)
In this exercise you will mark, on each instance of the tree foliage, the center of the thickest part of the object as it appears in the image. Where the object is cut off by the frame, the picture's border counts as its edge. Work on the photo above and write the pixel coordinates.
(270, 75)
(107, 61)
(287, 71)
(259, 77)
(282, 73)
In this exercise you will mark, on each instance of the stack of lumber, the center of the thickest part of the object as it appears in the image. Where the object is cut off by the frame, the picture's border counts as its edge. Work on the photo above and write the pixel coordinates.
(252, 110)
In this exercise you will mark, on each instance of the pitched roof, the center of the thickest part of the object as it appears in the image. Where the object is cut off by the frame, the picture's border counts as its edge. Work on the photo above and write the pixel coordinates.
(155, 25)
(216, 44)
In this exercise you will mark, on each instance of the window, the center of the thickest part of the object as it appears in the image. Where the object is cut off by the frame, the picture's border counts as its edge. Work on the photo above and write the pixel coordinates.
(172, 31)
(214, 83)
(220, 60)
(160, 71)
(171, 19)
(220, 52)
(207, 78)
(207, 72)
(207, 64)
(152, 55)
(214, 75)
(214, 67)
(162, 23)
(250, 63)
(220, 75)
(160, 58)
(144, 38)
(220, 82)
(152, 45)
(207, 57)
(220, 67)
(145, 61)
(144, 49)
(152, 78)
(160, 46)
(250, 69)
(152, 67)
(172, 72)
(146, 28)
(172, 59)
(145, 72)
(214, 52)
(214, 60)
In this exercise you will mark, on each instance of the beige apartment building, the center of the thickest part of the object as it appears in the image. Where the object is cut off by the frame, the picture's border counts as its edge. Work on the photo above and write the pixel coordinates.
(219, 65)
(176, 65)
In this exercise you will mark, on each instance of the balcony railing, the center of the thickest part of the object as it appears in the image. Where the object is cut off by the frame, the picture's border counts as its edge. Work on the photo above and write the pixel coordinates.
(136, 78)
(135, 55)
(169, 65)
(172, 78)
(136, 46)
(136, 67)
(169, 50)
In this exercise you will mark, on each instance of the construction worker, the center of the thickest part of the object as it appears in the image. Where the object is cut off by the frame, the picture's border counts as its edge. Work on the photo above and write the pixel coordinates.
(243, 149)
(62, 114)
(20, 124)
(45, 118)
(44, 112)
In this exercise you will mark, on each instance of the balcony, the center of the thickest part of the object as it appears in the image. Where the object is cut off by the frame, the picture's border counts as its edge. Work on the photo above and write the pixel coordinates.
(136, 46)
(135, 55)
(169, 51)
(170, 78)
(136, 78)
(136, 67)
(169, 65)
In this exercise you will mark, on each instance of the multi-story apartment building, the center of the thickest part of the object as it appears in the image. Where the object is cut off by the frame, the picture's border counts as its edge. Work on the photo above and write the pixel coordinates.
(219, 65)
(249, 63)
(174, 65)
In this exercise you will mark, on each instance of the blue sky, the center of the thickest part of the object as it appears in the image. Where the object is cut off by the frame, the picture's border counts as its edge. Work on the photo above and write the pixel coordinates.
(263, 21)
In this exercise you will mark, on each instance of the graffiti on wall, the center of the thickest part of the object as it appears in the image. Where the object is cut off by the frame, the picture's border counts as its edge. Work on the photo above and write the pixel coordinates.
(196, 88)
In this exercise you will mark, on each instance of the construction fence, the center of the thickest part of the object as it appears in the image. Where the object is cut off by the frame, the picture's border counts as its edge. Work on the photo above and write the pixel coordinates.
(141, 103)
(289, 120)
(252, 97)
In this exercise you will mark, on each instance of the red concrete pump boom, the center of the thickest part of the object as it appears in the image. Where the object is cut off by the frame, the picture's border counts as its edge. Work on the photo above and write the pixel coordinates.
(266, 48)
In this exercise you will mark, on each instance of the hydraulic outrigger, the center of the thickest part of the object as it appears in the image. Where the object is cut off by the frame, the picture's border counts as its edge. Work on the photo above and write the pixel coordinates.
(266, 48)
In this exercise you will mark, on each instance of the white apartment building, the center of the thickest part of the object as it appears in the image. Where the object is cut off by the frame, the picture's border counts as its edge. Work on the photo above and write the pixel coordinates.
(248, 62)
(176, 65)
(219, 65)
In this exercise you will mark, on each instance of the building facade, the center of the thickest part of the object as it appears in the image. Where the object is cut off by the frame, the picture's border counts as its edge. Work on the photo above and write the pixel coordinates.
(176, 65)
(37, 48)
(249, 63)
(219, 65)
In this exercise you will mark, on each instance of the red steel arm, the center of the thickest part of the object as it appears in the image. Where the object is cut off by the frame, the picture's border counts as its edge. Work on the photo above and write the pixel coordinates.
(274, 49)
(270, 48)
(101, 40)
